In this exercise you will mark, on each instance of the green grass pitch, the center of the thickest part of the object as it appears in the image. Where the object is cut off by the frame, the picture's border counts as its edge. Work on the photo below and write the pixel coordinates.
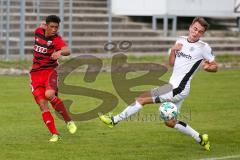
(212, 107)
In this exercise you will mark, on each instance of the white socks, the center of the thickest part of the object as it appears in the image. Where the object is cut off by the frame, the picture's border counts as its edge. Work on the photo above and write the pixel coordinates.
(186, 129)
(127, 112)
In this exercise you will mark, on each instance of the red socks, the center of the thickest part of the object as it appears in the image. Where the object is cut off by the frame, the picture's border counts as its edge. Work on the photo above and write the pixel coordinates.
(60, 108)
(49, 121)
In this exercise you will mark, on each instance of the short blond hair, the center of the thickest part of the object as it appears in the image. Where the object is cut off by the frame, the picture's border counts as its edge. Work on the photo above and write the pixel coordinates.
(202, 21)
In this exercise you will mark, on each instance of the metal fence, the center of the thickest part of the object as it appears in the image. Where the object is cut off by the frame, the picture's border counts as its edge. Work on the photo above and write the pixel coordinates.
(8, 42)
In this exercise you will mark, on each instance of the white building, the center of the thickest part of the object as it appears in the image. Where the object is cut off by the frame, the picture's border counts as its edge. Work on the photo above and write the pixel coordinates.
(166, 9)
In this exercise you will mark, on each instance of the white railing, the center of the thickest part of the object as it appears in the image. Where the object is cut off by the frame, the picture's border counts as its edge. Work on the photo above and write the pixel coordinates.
(5, 21)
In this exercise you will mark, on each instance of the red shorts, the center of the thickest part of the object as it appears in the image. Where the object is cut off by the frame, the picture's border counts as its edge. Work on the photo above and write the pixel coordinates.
(43, 80)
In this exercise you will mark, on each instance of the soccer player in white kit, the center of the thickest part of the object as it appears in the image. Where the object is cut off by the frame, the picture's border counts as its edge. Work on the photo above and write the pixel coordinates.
(185, 57)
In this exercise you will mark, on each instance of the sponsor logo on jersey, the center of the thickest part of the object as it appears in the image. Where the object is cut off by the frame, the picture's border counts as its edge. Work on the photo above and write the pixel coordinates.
(49, 43)
(181, 54)
(40, 49)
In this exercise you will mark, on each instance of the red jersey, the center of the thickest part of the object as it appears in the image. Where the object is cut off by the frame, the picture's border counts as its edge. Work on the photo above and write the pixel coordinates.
(43, 49)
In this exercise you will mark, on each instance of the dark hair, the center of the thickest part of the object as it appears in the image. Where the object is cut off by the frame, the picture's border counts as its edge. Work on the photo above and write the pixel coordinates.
(202, 21)
(53, 18)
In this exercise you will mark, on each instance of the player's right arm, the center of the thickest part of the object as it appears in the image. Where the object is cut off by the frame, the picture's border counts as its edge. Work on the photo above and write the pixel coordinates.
(40, 28)
(172, 56)
(43, 25)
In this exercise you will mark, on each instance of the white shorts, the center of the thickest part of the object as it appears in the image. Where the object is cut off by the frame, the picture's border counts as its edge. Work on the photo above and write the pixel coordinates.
(168, 97)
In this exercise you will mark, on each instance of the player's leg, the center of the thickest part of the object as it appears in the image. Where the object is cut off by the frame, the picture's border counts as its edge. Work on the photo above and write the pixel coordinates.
(38, 92)
(183, 128)
(180, 125)
(46, 114)
(188, 130)
(57, 104)
(145, 98)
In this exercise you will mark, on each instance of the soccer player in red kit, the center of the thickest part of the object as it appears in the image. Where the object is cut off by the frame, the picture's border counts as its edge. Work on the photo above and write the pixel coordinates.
(48, 48)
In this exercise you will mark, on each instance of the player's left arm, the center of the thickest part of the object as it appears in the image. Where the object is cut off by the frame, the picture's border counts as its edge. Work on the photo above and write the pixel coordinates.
(210, 66)
(64, 51)
(61, 48)
(209, 63)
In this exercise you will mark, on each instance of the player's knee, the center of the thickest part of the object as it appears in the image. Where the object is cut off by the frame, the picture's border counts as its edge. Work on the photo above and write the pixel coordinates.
(49, 95)
(171, 123)
(141, 100)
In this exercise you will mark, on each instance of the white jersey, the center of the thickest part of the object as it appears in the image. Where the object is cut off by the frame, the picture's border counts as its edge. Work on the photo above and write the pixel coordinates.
(187, 62)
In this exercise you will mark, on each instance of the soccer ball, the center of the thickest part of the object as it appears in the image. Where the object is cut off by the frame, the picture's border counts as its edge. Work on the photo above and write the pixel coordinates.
(168, 111)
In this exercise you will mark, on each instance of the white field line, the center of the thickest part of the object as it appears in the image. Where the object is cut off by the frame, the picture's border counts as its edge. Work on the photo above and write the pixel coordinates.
(222, 158)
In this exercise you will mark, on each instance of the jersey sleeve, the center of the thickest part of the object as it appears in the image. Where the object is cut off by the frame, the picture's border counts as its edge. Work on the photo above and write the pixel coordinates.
(181, 39)
(59, 43)
(207, 53)
(37, 30)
